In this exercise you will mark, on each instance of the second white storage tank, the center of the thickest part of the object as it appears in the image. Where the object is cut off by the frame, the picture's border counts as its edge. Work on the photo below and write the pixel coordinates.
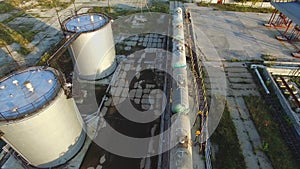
(93, 51)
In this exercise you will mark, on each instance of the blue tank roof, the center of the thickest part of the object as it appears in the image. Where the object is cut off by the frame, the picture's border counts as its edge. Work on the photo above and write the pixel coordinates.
(85, 22)
(289, 9)
(26, 91)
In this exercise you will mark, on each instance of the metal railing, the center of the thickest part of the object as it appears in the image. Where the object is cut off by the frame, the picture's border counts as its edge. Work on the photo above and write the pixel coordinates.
(198, 72)
(91, 26)
(284, 0)
(33, 106)
(71, 13)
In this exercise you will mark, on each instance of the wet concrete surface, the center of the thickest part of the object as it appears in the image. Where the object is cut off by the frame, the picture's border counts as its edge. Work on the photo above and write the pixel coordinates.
(140, 68)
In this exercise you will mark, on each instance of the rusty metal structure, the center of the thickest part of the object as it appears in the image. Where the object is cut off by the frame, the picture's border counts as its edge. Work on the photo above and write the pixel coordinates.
(286, 15)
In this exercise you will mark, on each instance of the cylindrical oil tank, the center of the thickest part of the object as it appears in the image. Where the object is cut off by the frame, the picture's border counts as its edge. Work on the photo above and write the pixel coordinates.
(93, 51)
(37, 120)
(181, 153)
(178, 56)
(180, 101)
(177, 16)
(178, 32)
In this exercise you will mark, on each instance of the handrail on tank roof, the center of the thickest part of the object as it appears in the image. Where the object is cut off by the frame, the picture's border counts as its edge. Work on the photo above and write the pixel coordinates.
(54, 90)
(94, 25)
(33, 106)
(73, 12)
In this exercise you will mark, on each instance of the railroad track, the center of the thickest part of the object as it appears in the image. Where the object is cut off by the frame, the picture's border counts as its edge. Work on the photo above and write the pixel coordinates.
(287, 131)
(198, 72)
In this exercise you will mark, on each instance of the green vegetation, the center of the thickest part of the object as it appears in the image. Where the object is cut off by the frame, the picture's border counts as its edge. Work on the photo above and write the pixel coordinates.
(15, 4)
(269, 131)
(12, 17)
(253, 1)
(157, 6)
(5, 8)
(22, 36)
(234, 7)
(26, 32)
(235, 60)
(297, 81)
(268, 57)
(24, 51)
(8, 36)
(229, 153)
(53, 3)
(115, 12)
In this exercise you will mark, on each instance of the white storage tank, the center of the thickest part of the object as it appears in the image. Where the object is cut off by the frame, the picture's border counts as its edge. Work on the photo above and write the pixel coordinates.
(93, 51)
(37, 120)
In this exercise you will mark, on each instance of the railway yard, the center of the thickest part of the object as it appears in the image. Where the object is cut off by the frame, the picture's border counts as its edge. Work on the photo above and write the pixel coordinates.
(213, 65)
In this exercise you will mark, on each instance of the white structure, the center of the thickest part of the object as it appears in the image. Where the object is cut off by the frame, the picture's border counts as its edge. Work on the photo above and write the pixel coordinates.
(93, 51)
(37, 119)
(180, 103)
(181, 153)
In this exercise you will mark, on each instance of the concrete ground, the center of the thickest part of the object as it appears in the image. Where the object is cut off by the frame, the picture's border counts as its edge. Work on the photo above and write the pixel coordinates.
(248, 136)
(45, 24)
(227, 41)
(142, 94)
(46, 28)
(237, 36)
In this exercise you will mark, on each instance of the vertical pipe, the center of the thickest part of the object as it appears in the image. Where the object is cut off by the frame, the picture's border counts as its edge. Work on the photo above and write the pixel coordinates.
(92, 18)
(262, 81)
(272, 16)
(286, 30)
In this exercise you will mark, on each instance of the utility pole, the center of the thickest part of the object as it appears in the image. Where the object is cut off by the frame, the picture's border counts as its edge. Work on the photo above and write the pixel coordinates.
(108, 5)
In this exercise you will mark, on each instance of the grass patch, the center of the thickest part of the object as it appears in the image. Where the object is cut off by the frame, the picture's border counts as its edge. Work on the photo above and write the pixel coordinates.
(229, 154)
(24, 51)
(157, 6)
(15, 3)
(296, 79)
(235, 60)
(48, 4)
(27, 33)
(43, 59)
(237, 8)
(269, 131)
(268, 57)
(9, 36)
(115, 12)
(5, 7)
(13, 17)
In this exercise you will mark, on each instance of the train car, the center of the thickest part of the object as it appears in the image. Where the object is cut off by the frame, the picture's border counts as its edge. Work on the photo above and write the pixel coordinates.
(181, 153)
(180, 102)
(178, 57)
